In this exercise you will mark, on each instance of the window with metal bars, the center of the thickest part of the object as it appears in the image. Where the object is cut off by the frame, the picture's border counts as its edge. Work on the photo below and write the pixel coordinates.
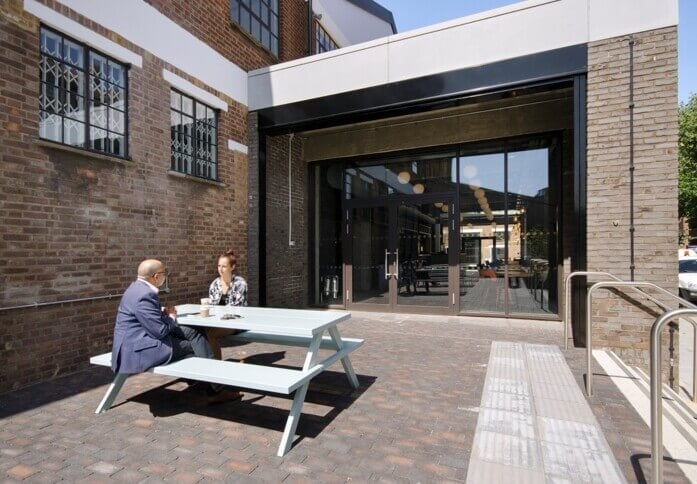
(193, 137)
(323, 41)
(84, 96)
(260, 19)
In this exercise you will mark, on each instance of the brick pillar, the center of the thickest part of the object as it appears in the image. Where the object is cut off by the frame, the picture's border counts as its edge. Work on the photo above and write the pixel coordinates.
(623, 321)
(253, 208)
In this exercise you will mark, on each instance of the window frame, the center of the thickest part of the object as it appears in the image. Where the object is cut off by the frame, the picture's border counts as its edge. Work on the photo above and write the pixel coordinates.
(319, 28)
(89, 104)
(195, 102)
(238, 6)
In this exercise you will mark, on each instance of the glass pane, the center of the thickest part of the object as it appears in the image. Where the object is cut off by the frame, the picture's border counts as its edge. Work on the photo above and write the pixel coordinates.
(116, 97)
(98, 116)
(274, 45)
(369, 235)
(210, 113)
(244, 20)
(73, 132)
(274, 25)
(265, 38)
(51, 71)
(329, 259)
(422, 231)
(50, 43)
(430, 175)
(74, 106)
(200, 111)
(532, 222)
(256, 7)
(235, 10)
(365, 182)
(98, 65)
(116, 74)
(482, 242)
(98, 139)
(99, 90)
(49, 99)
(188, 125)
(187, 105)
(117, 121)
(175, 100)
(73, 53)
(117, 144)
(51, 127)
(74, 80)
(256, 29)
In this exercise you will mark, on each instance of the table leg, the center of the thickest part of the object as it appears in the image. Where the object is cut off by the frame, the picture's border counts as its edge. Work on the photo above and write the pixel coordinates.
(111, 393)
(298, 399)
(345, 361)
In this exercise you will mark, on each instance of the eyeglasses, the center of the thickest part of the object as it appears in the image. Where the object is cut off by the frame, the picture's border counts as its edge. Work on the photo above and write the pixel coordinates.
(165, 272)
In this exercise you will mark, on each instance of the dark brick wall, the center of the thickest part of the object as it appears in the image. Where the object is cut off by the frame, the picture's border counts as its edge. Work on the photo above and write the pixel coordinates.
(76, 225)
(287, 267)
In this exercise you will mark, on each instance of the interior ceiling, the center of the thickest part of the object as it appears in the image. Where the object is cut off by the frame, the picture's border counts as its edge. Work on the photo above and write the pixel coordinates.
(512, 100)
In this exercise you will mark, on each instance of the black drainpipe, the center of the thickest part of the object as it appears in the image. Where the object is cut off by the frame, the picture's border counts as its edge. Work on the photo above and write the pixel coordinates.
(310, 18)
(631, 159)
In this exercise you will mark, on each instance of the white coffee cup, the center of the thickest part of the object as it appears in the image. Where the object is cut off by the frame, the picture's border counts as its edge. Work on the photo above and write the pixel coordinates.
(205, 309)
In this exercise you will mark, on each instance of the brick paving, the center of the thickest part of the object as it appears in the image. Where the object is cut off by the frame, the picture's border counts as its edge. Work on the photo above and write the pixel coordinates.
(412, 419)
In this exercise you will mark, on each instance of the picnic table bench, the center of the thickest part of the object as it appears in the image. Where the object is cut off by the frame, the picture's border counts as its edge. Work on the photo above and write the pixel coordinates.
(274, 326)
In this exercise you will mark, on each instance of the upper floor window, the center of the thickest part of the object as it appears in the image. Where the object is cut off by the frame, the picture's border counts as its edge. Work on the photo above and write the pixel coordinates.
(260, 19)
(194, 137)
(83, 99)
(323, 41)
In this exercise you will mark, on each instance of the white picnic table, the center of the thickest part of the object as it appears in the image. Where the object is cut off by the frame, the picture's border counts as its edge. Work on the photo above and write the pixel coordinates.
(303, 328)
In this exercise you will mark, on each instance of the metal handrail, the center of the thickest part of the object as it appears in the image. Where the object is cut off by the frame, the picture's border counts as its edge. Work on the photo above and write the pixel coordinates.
(618, 284)
(656, 388)
(567, 297)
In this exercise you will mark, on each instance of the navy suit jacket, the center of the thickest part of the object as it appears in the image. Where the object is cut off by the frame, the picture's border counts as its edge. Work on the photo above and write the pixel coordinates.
(141, 333)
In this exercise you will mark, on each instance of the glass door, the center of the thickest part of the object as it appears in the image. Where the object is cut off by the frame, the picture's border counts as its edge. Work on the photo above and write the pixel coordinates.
(399, 253)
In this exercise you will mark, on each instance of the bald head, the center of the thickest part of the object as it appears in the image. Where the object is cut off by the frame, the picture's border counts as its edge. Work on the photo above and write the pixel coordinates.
(149, 267)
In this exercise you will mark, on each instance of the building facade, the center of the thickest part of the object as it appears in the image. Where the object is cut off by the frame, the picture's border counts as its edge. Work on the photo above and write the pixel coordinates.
(460, 169)
(472, 165)
(123, 136)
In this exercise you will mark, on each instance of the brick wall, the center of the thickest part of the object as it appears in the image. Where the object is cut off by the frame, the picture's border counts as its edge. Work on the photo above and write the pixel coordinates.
(76, 225)
(621, 325)
(287, 267)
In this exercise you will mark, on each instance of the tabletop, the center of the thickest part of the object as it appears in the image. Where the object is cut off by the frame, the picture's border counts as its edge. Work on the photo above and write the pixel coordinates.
(289, 322)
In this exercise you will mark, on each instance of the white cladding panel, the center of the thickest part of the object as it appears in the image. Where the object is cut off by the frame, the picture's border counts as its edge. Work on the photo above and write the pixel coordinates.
(146, 27)
(508, 32)
(525, 31)
(336, 71)
(349, 24)
(612, 18)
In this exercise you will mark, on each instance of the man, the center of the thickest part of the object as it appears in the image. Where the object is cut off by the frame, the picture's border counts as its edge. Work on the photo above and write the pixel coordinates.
(145, 335)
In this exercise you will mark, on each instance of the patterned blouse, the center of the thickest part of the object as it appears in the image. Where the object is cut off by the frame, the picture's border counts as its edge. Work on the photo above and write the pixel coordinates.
(236, 295)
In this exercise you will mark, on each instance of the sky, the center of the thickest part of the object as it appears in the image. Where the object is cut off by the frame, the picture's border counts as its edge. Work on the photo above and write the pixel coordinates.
(412, 14)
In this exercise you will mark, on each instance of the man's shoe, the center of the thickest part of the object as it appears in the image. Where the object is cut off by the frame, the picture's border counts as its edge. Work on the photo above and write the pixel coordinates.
(224, 395)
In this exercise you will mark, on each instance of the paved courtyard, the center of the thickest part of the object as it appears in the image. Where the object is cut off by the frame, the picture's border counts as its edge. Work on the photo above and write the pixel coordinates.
(413, 419)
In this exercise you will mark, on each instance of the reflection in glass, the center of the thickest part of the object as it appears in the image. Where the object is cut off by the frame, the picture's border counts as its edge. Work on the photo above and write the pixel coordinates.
(423, 254)
(328, 238)
(482, 233)
(369, 249)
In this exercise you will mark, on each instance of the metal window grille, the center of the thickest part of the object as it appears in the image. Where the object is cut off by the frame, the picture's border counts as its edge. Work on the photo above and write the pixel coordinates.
(193, 127)
(260, 19)
(84, 96)
(323, 41)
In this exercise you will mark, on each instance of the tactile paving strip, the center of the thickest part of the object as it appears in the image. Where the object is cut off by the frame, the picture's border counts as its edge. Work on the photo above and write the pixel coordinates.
(534, 423)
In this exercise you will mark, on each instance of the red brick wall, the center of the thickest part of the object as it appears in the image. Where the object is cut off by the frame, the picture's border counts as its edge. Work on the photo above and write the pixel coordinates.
(76, 226)
(210, 21)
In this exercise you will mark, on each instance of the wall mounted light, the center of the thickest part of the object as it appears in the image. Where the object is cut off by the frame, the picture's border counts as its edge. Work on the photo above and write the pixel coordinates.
(403, 177)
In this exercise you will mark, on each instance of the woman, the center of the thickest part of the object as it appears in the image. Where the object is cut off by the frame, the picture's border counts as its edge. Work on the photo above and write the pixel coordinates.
(227, 290)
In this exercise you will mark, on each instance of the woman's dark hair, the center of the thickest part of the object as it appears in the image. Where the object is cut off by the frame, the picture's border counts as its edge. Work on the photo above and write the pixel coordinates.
(230, 254)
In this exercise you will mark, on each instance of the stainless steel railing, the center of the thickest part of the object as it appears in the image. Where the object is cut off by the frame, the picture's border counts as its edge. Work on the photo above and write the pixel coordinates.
(64, 301)
(656, 388)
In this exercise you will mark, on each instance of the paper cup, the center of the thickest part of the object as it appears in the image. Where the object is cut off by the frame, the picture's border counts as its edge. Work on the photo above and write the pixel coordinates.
(205, 312)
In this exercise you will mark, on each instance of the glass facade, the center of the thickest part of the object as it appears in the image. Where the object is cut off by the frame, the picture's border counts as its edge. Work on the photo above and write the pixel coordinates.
(469, 231)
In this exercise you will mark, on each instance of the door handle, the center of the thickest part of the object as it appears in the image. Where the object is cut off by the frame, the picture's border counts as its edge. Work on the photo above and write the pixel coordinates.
(387, 274)
(396, 264)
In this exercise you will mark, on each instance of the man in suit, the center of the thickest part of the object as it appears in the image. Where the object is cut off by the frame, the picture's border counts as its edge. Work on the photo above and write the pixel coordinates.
(145, 335)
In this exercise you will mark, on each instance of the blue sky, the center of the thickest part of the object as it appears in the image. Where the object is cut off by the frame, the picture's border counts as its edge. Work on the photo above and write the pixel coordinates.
(411, 14)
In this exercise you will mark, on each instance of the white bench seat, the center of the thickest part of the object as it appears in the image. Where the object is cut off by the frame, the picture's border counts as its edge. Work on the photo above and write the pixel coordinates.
(242, 375)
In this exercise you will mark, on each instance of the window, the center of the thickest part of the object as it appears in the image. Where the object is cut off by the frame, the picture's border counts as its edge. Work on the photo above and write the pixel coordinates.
(260, 19)
(323, 41)
(194, 137)
(83, 99)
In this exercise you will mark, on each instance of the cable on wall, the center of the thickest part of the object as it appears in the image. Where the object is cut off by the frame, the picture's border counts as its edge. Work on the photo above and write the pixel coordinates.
(631, 159)
(291, 242)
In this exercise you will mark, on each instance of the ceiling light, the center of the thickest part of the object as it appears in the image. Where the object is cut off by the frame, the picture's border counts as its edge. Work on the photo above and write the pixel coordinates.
(469, 171)
(438, 204)
(403, 177)
(418, 188)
